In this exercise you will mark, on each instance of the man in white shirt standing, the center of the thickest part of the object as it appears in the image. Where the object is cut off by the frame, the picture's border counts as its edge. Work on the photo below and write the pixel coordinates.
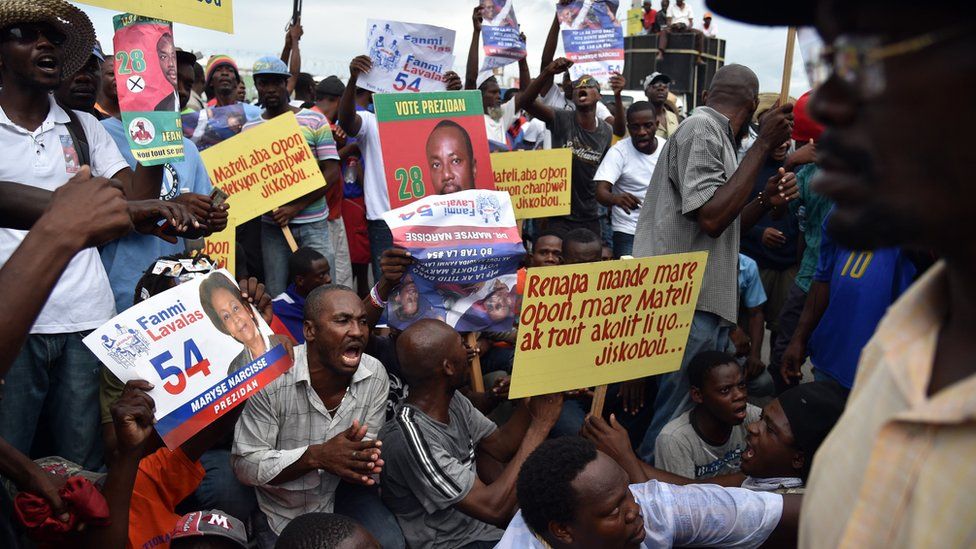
(625, 173)
(681, 19)
(52, 385)
(708, 28)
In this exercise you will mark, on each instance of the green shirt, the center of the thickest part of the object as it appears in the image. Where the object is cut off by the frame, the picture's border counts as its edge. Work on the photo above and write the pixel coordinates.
(815, 209)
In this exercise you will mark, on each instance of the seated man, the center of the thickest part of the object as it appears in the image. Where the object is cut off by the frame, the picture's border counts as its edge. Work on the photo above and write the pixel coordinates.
(779, 447)
(430, 480)
(307, 270)
(708, 440)
(312, 431)
(572, 495)
(319, 530)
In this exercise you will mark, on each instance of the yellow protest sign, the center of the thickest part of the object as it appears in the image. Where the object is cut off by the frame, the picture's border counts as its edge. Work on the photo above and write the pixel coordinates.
(635, 21)
(209, 14)
(264, 167)
(606, 322)
(222, 247)
(537, 180)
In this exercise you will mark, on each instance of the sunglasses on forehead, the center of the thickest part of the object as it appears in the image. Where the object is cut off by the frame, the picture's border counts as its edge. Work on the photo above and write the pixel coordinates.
(28, 33)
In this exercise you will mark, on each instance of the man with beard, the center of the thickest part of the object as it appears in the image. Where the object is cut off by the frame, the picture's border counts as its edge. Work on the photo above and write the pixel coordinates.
(450, 158)
(166, 53)
(306, 216)
(308, 441)
(698, 199)
(893, 472)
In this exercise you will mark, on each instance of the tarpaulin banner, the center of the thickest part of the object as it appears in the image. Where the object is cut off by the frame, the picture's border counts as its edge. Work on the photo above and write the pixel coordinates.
(467, 250)
(500, 34)
(433, 143)
(592, 38)
(263, 168)
(145, 76)
(209, 14)
(203, 348)
(407, 57)
(598, 323)
(538, 181)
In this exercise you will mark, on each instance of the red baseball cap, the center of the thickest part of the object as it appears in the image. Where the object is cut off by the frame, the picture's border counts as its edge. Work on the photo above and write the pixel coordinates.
(805, 127)
(210, 523)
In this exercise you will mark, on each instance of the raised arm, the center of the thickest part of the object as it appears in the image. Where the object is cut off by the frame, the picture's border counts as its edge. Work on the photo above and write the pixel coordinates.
(351, 122)
(617, 84)
(295, 32)
(549, 53)
(529, 99)
(471, 70)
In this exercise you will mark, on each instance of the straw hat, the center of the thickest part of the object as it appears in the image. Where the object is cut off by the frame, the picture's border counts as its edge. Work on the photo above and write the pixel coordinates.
(74, 23)
(766, 102)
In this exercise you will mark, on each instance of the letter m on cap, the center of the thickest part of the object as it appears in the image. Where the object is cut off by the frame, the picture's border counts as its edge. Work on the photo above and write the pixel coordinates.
(219, 520)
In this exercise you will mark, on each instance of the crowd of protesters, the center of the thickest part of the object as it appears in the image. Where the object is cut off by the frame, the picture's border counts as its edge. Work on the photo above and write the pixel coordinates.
(834, 240)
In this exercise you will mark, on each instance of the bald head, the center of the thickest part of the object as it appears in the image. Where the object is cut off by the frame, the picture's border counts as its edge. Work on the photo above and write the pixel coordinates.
(423, 347)
(733, 85)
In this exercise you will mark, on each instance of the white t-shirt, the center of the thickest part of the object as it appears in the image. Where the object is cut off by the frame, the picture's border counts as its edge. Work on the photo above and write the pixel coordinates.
(46, 158)
(628, 171)
(556, 99)
(710, 30)
(536, 132)
(678, 15)
(374, 174)
(698, 515)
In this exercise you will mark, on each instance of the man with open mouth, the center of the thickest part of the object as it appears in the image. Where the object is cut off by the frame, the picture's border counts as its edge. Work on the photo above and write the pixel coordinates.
(308, 441)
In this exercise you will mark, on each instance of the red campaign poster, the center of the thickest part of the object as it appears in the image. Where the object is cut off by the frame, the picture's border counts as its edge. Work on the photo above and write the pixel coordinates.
(433, 143)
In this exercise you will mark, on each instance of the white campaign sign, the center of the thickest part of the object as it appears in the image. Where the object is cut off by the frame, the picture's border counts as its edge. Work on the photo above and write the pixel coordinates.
(407, 57)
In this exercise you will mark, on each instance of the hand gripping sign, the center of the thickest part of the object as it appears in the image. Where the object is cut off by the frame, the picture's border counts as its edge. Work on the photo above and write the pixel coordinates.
(203, 348)
(466, 249)
(145, 77)
(598, 323)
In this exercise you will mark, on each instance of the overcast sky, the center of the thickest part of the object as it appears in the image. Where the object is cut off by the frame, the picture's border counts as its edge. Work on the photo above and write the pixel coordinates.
(335, 33)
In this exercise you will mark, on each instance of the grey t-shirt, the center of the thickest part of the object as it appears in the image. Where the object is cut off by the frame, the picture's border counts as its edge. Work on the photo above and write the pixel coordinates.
(430, 466)
(679, 449)
(588, 151)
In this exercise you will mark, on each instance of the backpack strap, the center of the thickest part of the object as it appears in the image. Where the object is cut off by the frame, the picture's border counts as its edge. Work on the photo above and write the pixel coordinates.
(77, 133)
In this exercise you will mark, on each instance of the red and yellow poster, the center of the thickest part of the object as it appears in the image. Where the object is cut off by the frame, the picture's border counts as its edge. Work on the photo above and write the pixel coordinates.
(433, 143)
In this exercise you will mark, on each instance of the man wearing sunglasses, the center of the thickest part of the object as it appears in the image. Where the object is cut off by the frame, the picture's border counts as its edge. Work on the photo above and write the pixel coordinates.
(897, 470)
(54, 375)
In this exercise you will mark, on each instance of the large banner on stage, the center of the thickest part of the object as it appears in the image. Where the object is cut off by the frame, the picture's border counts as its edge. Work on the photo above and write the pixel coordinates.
(466, 249)
(433, 143)
(407, 57)
(592, 38)
(599, 323)
(204, 349)
(500, 34)
(145, 77)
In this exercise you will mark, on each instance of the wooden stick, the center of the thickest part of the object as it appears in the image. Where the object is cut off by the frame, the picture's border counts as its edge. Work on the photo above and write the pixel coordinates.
(290, 238)
(784, 91)
(477, 380)
(599, 397)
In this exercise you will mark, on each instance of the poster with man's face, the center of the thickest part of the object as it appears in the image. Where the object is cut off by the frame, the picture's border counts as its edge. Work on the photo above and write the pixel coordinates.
(145, 77)
(433, 144)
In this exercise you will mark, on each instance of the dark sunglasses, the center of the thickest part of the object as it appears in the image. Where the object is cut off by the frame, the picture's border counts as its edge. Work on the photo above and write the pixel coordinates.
(28, 33)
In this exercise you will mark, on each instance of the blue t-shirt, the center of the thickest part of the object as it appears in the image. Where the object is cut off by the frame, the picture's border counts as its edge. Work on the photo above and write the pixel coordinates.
(751, 291)
(127, 258)
(862, 286)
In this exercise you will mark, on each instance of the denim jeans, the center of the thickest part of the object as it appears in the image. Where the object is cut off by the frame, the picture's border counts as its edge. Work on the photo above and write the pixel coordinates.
(363, 503)
(380, 239)
(51, 392)
(220, 489)
(708, 333)
(623, 244)
(276, 252)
